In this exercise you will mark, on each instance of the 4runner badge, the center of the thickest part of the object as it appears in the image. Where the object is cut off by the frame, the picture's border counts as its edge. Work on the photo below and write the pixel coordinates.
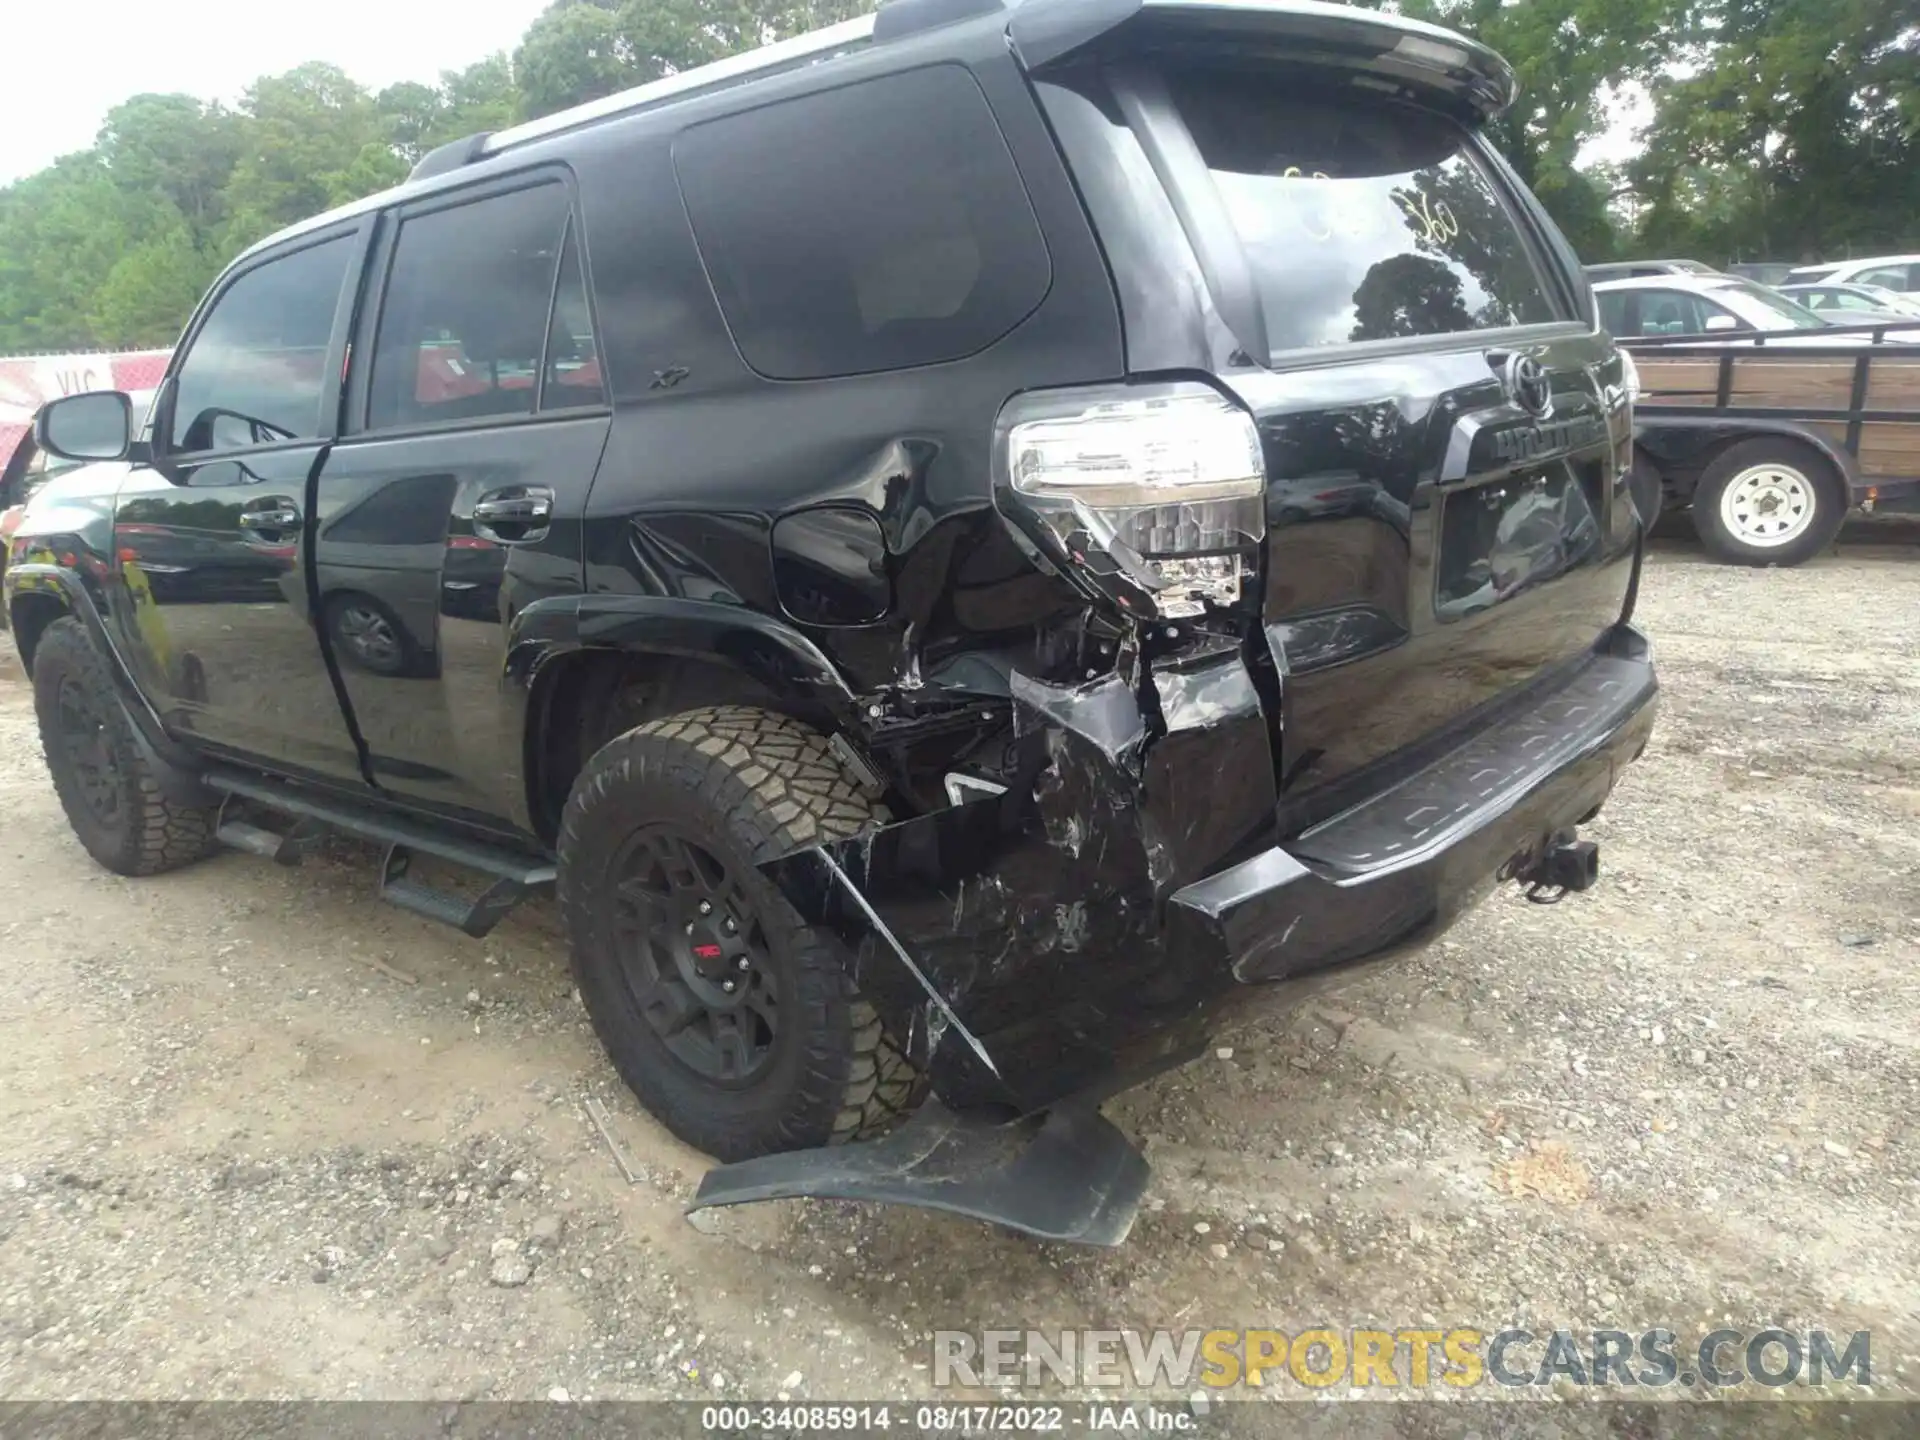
(1527, 385)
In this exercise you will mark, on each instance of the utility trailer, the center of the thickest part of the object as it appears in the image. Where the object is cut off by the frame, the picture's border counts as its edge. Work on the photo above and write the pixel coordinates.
(1771, 439)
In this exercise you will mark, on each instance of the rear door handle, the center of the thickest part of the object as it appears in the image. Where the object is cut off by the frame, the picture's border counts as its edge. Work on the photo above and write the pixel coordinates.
(279, 515)
(514, 515)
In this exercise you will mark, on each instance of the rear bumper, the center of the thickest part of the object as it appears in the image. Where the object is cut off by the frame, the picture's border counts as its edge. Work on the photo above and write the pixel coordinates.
(1395, 869)
(1074, 935)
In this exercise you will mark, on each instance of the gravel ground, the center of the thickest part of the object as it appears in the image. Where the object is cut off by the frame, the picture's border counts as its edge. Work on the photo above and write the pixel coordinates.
(262, 1136)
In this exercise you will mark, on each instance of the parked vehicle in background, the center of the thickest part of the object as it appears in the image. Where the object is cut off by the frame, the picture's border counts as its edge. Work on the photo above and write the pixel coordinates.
(1762, 272)
(1711, 306)
(1855, 304)
(1891, 272)
(29, 468)
(29, 381)
(1632, 269)
(1768, 442)
(1000, 529)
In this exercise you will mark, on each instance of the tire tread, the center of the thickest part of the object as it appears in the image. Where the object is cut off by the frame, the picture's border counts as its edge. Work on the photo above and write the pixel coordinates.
(778, 787)
(163, 834)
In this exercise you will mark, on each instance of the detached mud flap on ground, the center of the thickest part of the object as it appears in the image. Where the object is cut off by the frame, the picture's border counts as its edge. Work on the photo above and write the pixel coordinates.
(1071, 1176)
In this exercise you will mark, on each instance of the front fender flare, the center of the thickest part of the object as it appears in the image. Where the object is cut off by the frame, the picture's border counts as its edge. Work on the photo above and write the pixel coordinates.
(175, 769)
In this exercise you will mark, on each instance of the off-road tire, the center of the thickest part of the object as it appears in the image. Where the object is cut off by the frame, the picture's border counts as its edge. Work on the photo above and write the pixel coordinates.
(1827, 485)
(1649, 494)
(146, 833)
(747, 785)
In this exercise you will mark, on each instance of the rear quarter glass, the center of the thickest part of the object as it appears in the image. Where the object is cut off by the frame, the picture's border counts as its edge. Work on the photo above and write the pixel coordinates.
(1361, 219)
(876, 226)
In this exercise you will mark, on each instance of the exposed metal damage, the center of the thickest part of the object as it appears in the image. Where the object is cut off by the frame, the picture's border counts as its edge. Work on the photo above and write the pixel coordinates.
(1016, 940)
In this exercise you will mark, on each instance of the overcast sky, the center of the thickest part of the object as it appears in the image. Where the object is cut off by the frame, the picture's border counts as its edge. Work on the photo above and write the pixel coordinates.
(70, 61)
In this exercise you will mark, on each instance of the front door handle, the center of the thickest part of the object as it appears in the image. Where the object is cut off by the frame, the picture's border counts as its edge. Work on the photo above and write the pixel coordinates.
(515, 514)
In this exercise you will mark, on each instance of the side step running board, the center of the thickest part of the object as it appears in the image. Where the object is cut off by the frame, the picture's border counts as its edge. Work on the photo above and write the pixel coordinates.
(288, 847)
(513, 875)
(1072, 1176)
(475, 917)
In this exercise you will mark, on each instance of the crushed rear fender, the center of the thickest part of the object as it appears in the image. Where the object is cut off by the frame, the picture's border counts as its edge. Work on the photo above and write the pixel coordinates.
(1017, 943)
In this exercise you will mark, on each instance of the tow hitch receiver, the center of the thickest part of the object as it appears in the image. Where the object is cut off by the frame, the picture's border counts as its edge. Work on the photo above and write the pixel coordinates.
(1070, 1176)
(1566, 864)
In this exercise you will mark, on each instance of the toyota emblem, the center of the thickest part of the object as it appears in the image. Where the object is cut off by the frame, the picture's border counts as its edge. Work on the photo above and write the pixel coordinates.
(1528, 386)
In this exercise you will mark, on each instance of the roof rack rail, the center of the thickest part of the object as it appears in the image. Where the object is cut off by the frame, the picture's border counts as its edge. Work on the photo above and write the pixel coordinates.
(751, 64)
(450, 156)
(909, 17)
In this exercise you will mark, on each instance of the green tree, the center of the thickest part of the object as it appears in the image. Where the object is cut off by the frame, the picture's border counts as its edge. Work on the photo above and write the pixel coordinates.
(303, 148)
(148, 294)
(580, 50)
(1797, 134)
(61, 232)
(1568, 58)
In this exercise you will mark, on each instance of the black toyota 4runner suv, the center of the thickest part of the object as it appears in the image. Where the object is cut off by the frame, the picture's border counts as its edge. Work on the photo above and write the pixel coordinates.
(956, 543)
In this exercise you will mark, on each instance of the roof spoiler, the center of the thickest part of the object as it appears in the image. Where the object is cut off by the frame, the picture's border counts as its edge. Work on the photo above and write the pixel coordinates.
(1420, 62)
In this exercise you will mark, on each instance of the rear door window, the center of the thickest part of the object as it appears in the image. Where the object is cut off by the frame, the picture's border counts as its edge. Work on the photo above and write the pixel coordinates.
(485, 315)
(1361, 219)
(877, 226)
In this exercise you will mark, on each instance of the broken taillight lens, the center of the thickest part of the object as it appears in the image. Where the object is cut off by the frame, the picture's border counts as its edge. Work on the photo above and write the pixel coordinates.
(1153, 494)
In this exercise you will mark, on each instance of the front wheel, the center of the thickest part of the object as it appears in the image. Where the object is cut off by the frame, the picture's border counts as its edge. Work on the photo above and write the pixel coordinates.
(1769, 502)
(733, 1020)
(105, 784)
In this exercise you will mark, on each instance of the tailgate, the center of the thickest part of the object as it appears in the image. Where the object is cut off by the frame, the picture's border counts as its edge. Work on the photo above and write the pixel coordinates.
(1432, 551)
(1445, 430)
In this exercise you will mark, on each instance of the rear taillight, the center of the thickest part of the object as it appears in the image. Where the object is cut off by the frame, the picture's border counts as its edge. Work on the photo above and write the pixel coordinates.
(1151, 495)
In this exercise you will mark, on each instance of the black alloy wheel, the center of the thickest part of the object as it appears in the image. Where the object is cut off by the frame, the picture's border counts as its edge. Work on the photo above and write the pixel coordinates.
(696, 957)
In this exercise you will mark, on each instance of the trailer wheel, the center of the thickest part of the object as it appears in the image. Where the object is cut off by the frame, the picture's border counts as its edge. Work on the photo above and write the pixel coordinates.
(1769, 502)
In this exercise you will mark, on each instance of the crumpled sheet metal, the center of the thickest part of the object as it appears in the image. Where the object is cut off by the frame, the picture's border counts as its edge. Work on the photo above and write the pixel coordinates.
(1016, 943)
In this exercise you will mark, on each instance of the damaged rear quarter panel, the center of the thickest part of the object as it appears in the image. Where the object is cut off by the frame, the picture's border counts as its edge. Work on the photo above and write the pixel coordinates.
(1015, 943)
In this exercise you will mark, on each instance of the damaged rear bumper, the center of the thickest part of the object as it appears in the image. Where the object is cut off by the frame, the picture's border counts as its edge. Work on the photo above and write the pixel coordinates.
(1072, 936)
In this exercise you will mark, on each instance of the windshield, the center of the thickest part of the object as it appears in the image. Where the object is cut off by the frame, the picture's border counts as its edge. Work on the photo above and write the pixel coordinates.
(1361, 220)
(1766, 309)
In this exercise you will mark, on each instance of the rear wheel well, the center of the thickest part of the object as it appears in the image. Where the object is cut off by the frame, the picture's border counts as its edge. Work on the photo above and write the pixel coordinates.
(30, 616)
(587, 698)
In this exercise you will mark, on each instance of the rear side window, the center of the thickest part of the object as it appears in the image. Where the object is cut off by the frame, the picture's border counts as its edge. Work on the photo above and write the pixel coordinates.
(256, 372)
(484, 302)
(1361, 219)
(874, 227)
(1629, 314)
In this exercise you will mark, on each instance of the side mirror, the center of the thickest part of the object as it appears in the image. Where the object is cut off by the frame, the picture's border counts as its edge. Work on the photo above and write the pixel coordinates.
(1721, 323)
(94, 426)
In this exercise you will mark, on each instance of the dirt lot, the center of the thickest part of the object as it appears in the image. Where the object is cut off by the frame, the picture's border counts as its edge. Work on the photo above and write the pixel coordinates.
(262, 1136)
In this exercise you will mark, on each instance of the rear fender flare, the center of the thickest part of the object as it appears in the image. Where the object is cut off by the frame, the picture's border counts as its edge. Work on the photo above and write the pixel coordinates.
(778, 658)
(775, 655)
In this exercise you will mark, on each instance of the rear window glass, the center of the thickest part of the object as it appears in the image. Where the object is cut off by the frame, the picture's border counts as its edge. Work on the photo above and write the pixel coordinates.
(1362, 220)
(874, 227)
